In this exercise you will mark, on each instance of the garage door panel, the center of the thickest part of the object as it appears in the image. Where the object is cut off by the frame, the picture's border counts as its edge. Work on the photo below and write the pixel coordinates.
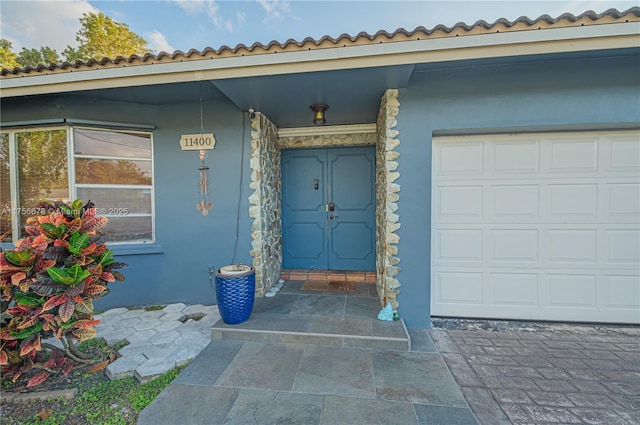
(521, 157)
(572, 155)
(552, 200)
(515, 200)
(622, 292)
(571, 290)
(546, 228)
(509, 245)
(460, 288)
(514, 289)
(459, 245)
(462, 159)
(571, 246)
(624, 154)
(514, 245)
(623, 246)
(573, 199)
(529, 293)
(624, 199)
(460, 201)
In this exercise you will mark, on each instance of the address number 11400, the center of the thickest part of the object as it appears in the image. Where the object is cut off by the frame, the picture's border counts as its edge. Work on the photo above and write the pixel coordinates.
(196, 142)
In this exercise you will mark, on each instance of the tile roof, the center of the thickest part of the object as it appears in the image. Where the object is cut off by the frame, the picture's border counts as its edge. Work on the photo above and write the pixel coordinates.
(440, 31)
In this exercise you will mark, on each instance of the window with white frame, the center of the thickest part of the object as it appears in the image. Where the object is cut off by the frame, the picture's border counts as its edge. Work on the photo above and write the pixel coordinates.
(112, 168)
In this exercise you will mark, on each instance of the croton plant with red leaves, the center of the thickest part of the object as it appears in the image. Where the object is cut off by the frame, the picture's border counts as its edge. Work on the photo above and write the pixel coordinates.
(48, 284)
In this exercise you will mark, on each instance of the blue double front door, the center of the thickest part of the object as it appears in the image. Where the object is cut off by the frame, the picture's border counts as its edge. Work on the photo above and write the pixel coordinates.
(328, 208)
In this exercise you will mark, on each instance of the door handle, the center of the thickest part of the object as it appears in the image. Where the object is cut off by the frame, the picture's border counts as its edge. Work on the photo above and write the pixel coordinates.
(332, 217)
(332, 206)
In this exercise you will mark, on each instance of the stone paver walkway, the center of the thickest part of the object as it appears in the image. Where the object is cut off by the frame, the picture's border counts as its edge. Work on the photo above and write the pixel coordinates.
(528, 373)
(508, 373)
(314, 357)
(251, 382)
(159, 340)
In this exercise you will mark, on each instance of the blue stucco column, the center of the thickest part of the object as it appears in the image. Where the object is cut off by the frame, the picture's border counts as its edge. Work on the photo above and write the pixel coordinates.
(414, 208)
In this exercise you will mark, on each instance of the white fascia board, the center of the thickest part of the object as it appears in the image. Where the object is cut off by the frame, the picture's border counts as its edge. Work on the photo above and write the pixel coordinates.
(554, 40)
(496, 40)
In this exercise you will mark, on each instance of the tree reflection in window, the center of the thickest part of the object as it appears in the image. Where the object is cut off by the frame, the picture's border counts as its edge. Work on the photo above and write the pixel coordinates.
(5, 187)
(42, 170)
(115, 170)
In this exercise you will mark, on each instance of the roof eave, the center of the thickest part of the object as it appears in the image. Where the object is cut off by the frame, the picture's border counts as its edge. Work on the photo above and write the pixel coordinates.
(481, 46)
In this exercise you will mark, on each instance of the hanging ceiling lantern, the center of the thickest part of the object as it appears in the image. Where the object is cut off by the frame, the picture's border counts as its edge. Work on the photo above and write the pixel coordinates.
(318, 113)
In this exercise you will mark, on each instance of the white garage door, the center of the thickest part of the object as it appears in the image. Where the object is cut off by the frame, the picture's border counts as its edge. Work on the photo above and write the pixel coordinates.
(537, 226)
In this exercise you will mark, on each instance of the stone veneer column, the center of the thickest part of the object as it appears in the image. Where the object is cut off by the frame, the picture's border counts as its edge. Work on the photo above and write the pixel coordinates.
(264, 203)
(387, 195)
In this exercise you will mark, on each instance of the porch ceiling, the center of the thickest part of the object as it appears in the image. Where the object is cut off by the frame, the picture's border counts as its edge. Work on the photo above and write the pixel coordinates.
(353, 95)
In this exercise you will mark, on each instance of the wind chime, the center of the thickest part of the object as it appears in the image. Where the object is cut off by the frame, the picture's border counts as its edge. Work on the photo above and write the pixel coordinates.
(205, 203)
(201, 142)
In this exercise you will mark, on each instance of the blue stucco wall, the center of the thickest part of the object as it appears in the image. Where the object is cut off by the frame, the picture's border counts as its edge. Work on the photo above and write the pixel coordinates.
(190, 241)
(187, 242)
(467, 99)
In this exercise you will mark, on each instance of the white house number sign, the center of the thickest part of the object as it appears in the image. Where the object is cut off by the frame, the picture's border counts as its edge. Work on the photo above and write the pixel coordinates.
(196, 142)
